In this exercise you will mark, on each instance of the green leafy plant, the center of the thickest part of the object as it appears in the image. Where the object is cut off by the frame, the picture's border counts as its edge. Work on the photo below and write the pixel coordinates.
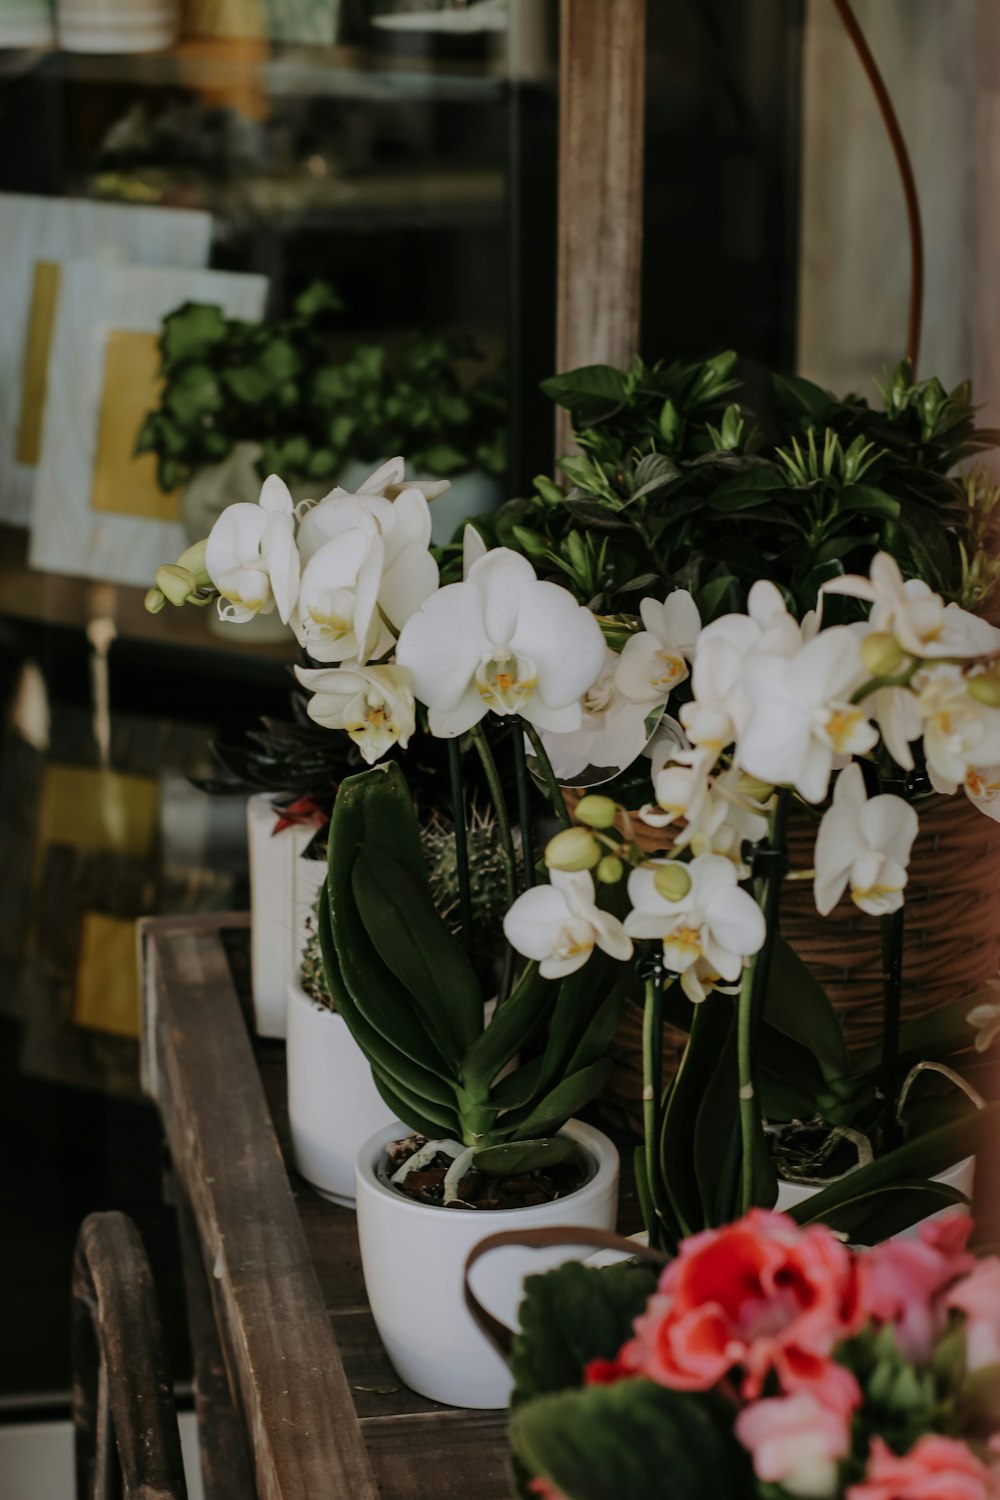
(411, 997)
(681, 485)
(283, 386)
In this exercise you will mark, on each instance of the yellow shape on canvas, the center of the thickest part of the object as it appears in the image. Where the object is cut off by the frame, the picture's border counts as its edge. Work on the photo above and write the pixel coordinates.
(106, 994)
(125, 482)
(34, 378)
(100, 810)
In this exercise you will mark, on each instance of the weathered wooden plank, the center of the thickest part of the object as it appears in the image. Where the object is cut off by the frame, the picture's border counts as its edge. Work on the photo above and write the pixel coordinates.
(273, 1325)
(449, 1456)
(602, 88)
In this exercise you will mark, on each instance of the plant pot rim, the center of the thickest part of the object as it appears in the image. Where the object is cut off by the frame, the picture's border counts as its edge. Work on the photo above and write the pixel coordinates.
(298, 992)
(599, 1147)
(957, 1169)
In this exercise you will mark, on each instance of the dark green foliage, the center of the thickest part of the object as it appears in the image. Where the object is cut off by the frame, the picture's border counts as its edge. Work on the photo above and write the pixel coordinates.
(282, 385)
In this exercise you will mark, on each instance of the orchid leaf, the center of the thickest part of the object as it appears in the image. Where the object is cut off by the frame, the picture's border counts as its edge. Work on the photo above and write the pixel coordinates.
(512, 1026)
(881, 1212)
(511, 1158)
(565, 1100)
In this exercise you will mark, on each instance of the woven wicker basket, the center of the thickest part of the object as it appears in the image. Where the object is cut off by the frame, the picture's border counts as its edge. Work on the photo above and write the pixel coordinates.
(952, 944)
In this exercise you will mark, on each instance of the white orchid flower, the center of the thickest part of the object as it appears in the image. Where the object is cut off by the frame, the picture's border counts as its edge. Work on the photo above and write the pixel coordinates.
(917, 617)
(560, 924)
(985, 1020)
(960, 733)
(803, 720)
(708, 933)
(719, 814)
(337, 617)
(373, 705)
(982, 787)
(655, 661)
(473, 548)
(251, 557)
(863, 843)
(682, 789)
(502, 642)
(613, 733)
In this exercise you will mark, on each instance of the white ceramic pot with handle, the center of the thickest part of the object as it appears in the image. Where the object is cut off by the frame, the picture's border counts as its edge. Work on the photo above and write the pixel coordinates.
(413, 1256)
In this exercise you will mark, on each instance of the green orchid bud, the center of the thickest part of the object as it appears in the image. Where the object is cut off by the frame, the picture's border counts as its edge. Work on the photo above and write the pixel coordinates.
(754, 789)
(882, 654)
(610, 870)
(672, 881)
(984, 688)
(573, 849)
(175, 582)
(154, 601)
(596, 811)
(193, 559)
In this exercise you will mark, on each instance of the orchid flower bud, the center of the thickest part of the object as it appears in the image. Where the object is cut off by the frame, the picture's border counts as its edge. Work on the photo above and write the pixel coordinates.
(154, 601)
(572, 849)
(984, 688)
(610, 870)
(596, 811)
(175, 582)
(193, 559)
(882, 654)
(672, 881)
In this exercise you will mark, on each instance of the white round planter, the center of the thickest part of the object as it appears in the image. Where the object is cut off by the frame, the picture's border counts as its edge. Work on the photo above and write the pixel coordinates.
(26, 23)
(960, 1176)
(117, 25)
(333, 1104)
(414, 1254)
(283, 889)
(473, 493)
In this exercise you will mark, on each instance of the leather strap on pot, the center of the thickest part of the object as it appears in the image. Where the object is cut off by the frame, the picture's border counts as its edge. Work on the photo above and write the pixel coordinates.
(499, 1335)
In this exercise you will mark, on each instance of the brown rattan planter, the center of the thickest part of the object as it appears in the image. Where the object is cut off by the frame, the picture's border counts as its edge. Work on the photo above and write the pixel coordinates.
(952, 936)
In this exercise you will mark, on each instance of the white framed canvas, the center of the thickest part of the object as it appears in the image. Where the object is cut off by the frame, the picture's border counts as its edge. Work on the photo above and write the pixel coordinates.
(97, 510)
(36, 236)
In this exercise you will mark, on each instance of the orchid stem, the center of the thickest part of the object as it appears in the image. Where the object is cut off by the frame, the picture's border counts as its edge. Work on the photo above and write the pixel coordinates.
(524, 807)
(652, 1097)
(556, 798)
(506, 844)
(747, 1097)
(892, 990)
(461, 844)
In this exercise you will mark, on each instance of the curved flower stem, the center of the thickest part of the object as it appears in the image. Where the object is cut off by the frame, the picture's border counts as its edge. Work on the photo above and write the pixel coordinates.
(552, 786)
(892, 986)
(753, 988)
(524, 807)
(506, 844)
(461, 843)
(652, 1097)
(899, 679)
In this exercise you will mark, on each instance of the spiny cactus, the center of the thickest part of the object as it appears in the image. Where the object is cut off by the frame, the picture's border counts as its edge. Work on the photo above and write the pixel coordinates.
(486, 872)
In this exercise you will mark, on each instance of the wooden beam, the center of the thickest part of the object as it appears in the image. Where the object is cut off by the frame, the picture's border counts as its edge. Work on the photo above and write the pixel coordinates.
(602, 95)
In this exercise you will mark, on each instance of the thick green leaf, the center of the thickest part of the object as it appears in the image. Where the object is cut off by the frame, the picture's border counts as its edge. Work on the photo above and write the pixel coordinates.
(610, 1442)
(600, 386)
(803, 398)
(417, 946)
(511, 1028)
(887, 1210)
(517, 1088)
(515, 1157)
(798, 1007)
(416, 1118)
(572, 1315)
(602, 1028)
(562, 1103)
(710, 1026)
(870, 501)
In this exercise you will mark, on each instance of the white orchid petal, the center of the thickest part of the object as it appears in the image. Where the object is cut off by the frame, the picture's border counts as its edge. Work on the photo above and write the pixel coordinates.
(276, 497)
(443, 644)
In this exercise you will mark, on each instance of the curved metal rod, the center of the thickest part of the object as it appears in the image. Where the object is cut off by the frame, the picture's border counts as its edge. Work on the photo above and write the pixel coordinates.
(125, 1421)
(902, 156)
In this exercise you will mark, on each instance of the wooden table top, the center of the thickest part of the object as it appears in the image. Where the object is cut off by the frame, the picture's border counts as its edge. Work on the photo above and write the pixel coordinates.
(325, 1414)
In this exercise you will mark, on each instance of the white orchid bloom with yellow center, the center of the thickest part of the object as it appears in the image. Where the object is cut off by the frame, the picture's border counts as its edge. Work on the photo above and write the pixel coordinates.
(682, 790)
(914, 615)
(560, 924)
(373, 705)
(982, 787)
(613, 733)
(337, 616)
(708, 926)
(803, 721)
(863, 845)
(655, 661)
(502, 642)
(251, 556)
(960, 733)
(719, 814)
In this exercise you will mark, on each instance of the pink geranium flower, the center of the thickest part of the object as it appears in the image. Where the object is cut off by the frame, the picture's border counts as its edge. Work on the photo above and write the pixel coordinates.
(544, 1489)
(904, 1281)
(796, 1441)
(936, 1468)
(978, 1296)
(761, 1295)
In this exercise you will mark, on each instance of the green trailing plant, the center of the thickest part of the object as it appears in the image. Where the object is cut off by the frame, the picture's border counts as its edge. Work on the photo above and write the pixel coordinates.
(680, 484)
(411, 997)
(283, 386)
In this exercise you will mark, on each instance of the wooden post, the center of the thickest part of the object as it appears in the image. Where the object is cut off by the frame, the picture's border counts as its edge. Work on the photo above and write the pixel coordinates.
(602, 91)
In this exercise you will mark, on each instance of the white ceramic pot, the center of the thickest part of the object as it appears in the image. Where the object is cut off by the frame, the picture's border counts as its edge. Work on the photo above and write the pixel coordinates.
(283, 889)
(333, 1104)
(26, 23)
(117, 25)
(960, 1176)
(414, 1254)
